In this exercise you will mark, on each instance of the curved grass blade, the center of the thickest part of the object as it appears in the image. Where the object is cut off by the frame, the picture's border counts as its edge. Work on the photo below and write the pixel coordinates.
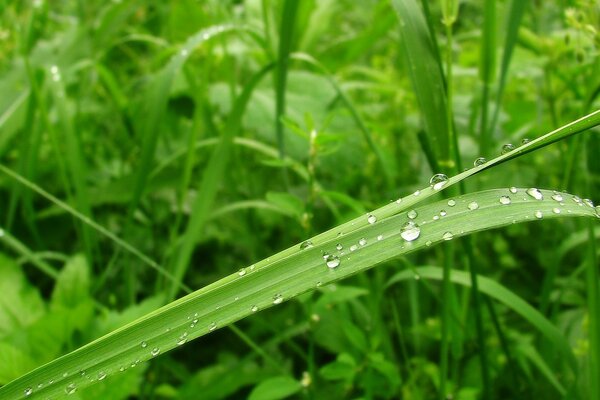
(503, 295)
(294, 271)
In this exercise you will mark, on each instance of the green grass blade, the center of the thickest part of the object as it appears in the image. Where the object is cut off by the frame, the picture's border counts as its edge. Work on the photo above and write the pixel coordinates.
(593, 309)
(211, 178)
(425, 72)
(290, 273)
(486, 70)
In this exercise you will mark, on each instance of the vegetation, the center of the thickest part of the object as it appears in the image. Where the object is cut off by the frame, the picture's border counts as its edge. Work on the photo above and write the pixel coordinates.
(195, 199)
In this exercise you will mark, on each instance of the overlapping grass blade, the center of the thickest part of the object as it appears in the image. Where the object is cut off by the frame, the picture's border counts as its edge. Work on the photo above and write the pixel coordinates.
(486, 70)
(288, 274)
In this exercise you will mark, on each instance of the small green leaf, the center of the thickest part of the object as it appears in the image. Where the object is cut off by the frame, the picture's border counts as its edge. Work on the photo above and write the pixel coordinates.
(73, 284)
(275, 388)
(343, 368)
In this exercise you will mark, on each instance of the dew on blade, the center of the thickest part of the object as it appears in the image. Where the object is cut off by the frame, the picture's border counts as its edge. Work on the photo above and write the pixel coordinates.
(353, 247)
(242, 272)
(412, 214)
(557, 197)
(71, 388)
(535, 193)
(418, 192)
(513, 190)
(438, 181)
(538, 214)
(410, 231)
(28, 391)
(306, 244)
(447, 236)
(473, 206)
(332, 262)
(556, 210)
(508, 147)
(451, 203)
(155, 351)
(339, 246)
(371, 219)
(254, 308)
(379, 237)
(101, 375)
(212, 326)
(362, 241)
(505, 200)
(277, 299)
(479, 161)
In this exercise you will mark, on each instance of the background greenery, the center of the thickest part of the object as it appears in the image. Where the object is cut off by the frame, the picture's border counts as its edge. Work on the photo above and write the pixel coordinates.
(117, 107)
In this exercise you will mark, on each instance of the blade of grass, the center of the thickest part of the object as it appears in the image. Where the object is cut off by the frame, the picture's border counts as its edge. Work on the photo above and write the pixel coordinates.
(211, 178)
(593, 309)
(486, 71)
(288, 274)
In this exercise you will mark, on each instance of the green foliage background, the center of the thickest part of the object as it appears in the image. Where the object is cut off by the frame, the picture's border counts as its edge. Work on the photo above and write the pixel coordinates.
(153, 120)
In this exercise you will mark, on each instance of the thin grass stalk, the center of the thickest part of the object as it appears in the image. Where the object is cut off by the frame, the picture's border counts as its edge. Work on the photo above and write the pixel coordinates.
(488, 57)
(593, 305)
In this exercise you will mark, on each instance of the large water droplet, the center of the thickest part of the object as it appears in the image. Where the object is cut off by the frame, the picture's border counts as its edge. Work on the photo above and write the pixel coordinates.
(306, 244)
(410, 231)
(504, 200)
(71, 388)
(28, 391)
(535, 193)
(332, 262)
(155, 351)
(473, 206)
(371, 219)
(451, 203)
(277, 299)
(412, 214)
(507, 147)
(362, 241)
(479, 161)
(438, 181)
(448, 236)
(443, 213)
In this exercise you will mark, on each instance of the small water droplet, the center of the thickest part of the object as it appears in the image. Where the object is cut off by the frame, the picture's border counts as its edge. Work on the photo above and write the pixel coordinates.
(504, 200)
(101, 375)
(513, 190)
(339, 246)
(524, 141)
(212, 326)
(556, 210)
(438, 181)
(182, 339)
(588, 203)
(71, 388)
(325, 255)
(479, 161)
(535, 193)
(379, 237)
(473, 206)
(319, 284)
(557, 197)
(538, 214)
(155, 351)
(277, 299)
(242, 272)
(577, 200)
(353, 247)
(28, 391)
(418, 192)
(443, 213)
(306, 244)
(507, 148)
(448, 236)
(332, 262)
(144, 344)
(399, 200)
(412, 214)
(436, 217)
(362, 241)
(410, 231)
(597, 208)
(254, 308)
(428, 243)
(451, 203)
(371, 219)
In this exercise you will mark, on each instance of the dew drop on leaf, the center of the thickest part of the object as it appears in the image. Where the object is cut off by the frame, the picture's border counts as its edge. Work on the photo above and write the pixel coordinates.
(451, 203)
(513, 190)
(479, 161)
(144, 344)
(507, 148)
(538, 214)
(305, 245)
(588, 203)
(155, 351)
(379, 237)
(505, 200)
(242, 272)
(71, 388)
(410, 231)
(182, 339)
(212, 326)
(362, 241)
(339, 246)
(332, 262)
(473, 206)
(438, 181)
(556, 210)
(254, 308)
(535, 193)
(448, 236)
(101, 375)
(412, 214)
(277, 299)
(418, 192)
(557, 197)
(353, 247)
(371, 219)
(443, 213)
(524, 141)
(28, 391)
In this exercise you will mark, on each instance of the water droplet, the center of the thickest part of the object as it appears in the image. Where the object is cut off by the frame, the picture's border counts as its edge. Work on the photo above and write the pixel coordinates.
(438, 181)
(379, 237)
(577, 200)
(428, 243)
(557, 197)
(556, 210)
(507, 148)
(212, 326)
(524, 141)
(479, 161)
(101, 375)
(443, 213)
(538, 214)
(194, 322)
(418, 192)
(412, 214)
(597, 208)
(410, 231)
(71, 388)
(399, 200)
(513, 190)
(28, 391)
(155, 351)
(353, 247)
(535, 193)
(332, 262)
(325, 255)
(504, 200)
(306, 245)
(436, 217)
(277, 299)
(473, 206)
(254, 308)
(588, 203)
(371, 219)
(242, 272)
(144, 345)
(448, 236)
(339, 246)
(451, 203)
(182, 339)
(362, 241)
